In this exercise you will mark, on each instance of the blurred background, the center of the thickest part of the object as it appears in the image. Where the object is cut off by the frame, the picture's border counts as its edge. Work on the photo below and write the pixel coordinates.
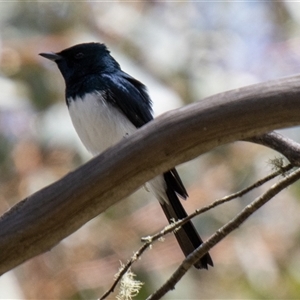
(183, 51)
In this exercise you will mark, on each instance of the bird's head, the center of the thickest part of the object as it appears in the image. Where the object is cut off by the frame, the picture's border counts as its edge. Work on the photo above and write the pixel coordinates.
(83, 60)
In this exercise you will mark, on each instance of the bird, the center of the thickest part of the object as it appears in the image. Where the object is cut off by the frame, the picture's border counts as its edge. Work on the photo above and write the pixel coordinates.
(106, 105)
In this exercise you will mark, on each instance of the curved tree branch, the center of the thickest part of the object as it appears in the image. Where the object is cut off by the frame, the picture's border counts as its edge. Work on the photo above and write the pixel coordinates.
(43, 219)
(280, 143)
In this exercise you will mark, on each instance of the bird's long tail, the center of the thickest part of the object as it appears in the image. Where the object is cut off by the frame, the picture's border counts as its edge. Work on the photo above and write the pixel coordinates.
(187, 236)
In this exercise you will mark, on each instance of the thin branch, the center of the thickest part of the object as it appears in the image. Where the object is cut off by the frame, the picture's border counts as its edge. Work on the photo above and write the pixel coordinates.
(274, 140)
(223, 232)
(126, 268)
(42, 220)
(171, 227)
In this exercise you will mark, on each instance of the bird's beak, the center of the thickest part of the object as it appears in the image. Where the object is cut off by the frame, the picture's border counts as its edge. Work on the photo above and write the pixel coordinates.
(52, 56)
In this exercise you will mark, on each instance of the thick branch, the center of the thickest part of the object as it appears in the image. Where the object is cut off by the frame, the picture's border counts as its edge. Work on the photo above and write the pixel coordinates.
(43, 219)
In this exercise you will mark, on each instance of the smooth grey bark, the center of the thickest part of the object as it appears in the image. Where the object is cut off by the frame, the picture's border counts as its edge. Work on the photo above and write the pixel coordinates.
(43, 219)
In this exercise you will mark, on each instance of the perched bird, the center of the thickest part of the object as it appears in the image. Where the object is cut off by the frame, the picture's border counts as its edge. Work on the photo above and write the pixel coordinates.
(106, 104)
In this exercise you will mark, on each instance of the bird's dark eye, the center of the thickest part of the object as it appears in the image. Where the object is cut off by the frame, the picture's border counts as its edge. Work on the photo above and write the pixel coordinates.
(78, 55)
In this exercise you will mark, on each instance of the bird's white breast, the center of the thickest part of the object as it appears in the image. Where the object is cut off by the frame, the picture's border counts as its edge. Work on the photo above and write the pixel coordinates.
(98, 124)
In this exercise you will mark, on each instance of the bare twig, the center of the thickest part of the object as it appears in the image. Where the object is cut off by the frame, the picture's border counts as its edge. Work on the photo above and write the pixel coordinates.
(179, 223)
(126, 268)
(170, 228)
(223, 232)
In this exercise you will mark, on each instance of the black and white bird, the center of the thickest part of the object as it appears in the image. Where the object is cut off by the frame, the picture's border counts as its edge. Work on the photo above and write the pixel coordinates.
(106, 105)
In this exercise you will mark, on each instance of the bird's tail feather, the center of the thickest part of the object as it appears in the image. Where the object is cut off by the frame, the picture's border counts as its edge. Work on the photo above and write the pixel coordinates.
(187, 236)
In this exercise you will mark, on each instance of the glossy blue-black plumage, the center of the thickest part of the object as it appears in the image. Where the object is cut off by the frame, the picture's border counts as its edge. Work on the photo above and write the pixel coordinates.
(120, 90)
(84, 72)
(90, 69)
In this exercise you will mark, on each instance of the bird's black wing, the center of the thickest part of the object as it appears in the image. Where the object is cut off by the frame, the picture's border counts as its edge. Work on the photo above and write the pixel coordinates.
(130, 96)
